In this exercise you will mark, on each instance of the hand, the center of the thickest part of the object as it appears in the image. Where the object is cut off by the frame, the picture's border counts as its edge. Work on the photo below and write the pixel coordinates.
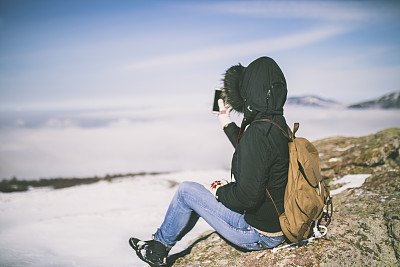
(224, 113)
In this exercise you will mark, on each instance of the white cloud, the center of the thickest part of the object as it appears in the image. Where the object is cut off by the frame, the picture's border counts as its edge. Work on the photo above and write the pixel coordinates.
(321, 10)
(244, 49)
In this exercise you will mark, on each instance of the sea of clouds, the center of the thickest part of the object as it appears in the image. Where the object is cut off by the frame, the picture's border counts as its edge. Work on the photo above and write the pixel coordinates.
(162, 137)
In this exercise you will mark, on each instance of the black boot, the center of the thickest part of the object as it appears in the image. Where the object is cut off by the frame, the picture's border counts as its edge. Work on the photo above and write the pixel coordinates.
(153, 252)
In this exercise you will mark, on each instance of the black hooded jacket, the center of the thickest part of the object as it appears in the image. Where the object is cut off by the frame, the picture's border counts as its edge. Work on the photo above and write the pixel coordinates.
(261, 158)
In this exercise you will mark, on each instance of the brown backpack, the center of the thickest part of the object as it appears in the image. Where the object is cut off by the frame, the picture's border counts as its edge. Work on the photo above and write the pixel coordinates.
(307, 198)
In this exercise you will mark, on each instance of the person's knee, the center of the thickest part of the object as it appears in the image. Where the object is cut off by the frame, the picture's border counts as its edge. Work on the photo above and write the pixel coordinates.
(188, 187)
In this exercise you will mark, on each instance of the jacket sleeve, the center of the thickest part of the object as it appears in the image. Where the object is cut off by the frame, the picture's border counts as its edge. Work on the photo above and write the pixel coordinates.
(252, 164)
(232, 132)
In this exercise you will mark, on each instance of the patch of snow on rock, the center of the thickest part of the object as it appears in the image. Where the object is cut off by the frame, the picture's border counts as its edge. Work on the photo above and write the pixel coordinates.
(344, 149)
(349, 181)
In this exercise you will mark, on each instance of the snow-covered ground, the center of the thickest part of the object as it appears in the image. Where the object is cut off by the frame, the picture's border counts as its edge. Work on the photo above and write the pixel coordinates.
(90, 225)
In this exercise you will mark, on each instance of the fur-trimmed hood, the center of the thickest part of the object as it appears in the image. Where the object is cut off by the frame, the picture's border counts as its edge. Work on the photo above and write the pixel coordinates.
(259, 87)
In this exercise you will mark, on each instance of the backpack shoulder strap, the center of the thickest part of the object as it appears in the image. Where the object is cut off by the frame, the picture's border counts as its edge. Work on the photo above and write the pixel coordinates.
(273, 202)
(288, 133)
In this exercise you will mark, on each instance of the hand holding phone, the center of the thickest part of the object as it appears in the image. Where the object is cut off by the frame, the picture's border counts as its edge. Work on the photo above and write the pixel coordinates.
(223, 109)
(220, 109)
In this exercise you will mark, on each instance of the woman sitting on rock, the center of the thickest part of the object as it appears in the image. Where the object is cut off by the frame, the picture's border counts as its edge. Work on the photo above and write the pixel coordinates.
(241, 212)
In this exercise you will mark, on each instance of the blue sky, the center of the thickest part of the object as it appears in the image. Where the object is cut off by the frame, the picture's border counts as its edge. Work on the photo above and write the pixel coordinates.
(75, 54)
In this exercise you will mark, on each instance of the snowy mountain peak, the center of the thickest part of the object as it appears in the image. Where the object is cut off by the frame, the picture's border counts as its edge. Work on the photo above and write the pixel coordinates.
(387, 101)
(310, 100)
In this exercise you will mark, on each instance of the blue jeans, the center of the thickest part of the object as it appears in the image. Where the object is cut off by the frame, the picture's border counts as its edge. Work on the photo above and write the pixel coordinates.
(193, 200)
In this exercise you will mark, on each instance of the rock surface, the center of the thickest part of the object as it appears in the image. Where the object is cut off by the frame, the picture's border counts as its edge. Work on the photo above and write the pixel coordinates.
(365, 230)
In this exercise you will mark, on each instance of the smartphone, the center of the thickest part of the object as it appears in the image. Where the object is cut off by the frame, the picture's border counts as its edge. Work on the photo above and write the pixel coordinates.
(217, 95)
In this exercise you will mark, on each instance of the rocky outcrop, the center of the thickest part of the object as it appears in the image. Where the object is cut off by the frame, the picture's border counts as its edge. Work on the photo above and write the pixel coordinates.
(365, 230)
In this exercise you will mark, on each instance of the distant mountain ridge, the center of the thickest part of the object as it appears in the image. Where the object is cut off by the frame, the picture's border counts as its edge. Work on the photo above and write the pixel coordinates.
(311, 101)
(389, 101)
